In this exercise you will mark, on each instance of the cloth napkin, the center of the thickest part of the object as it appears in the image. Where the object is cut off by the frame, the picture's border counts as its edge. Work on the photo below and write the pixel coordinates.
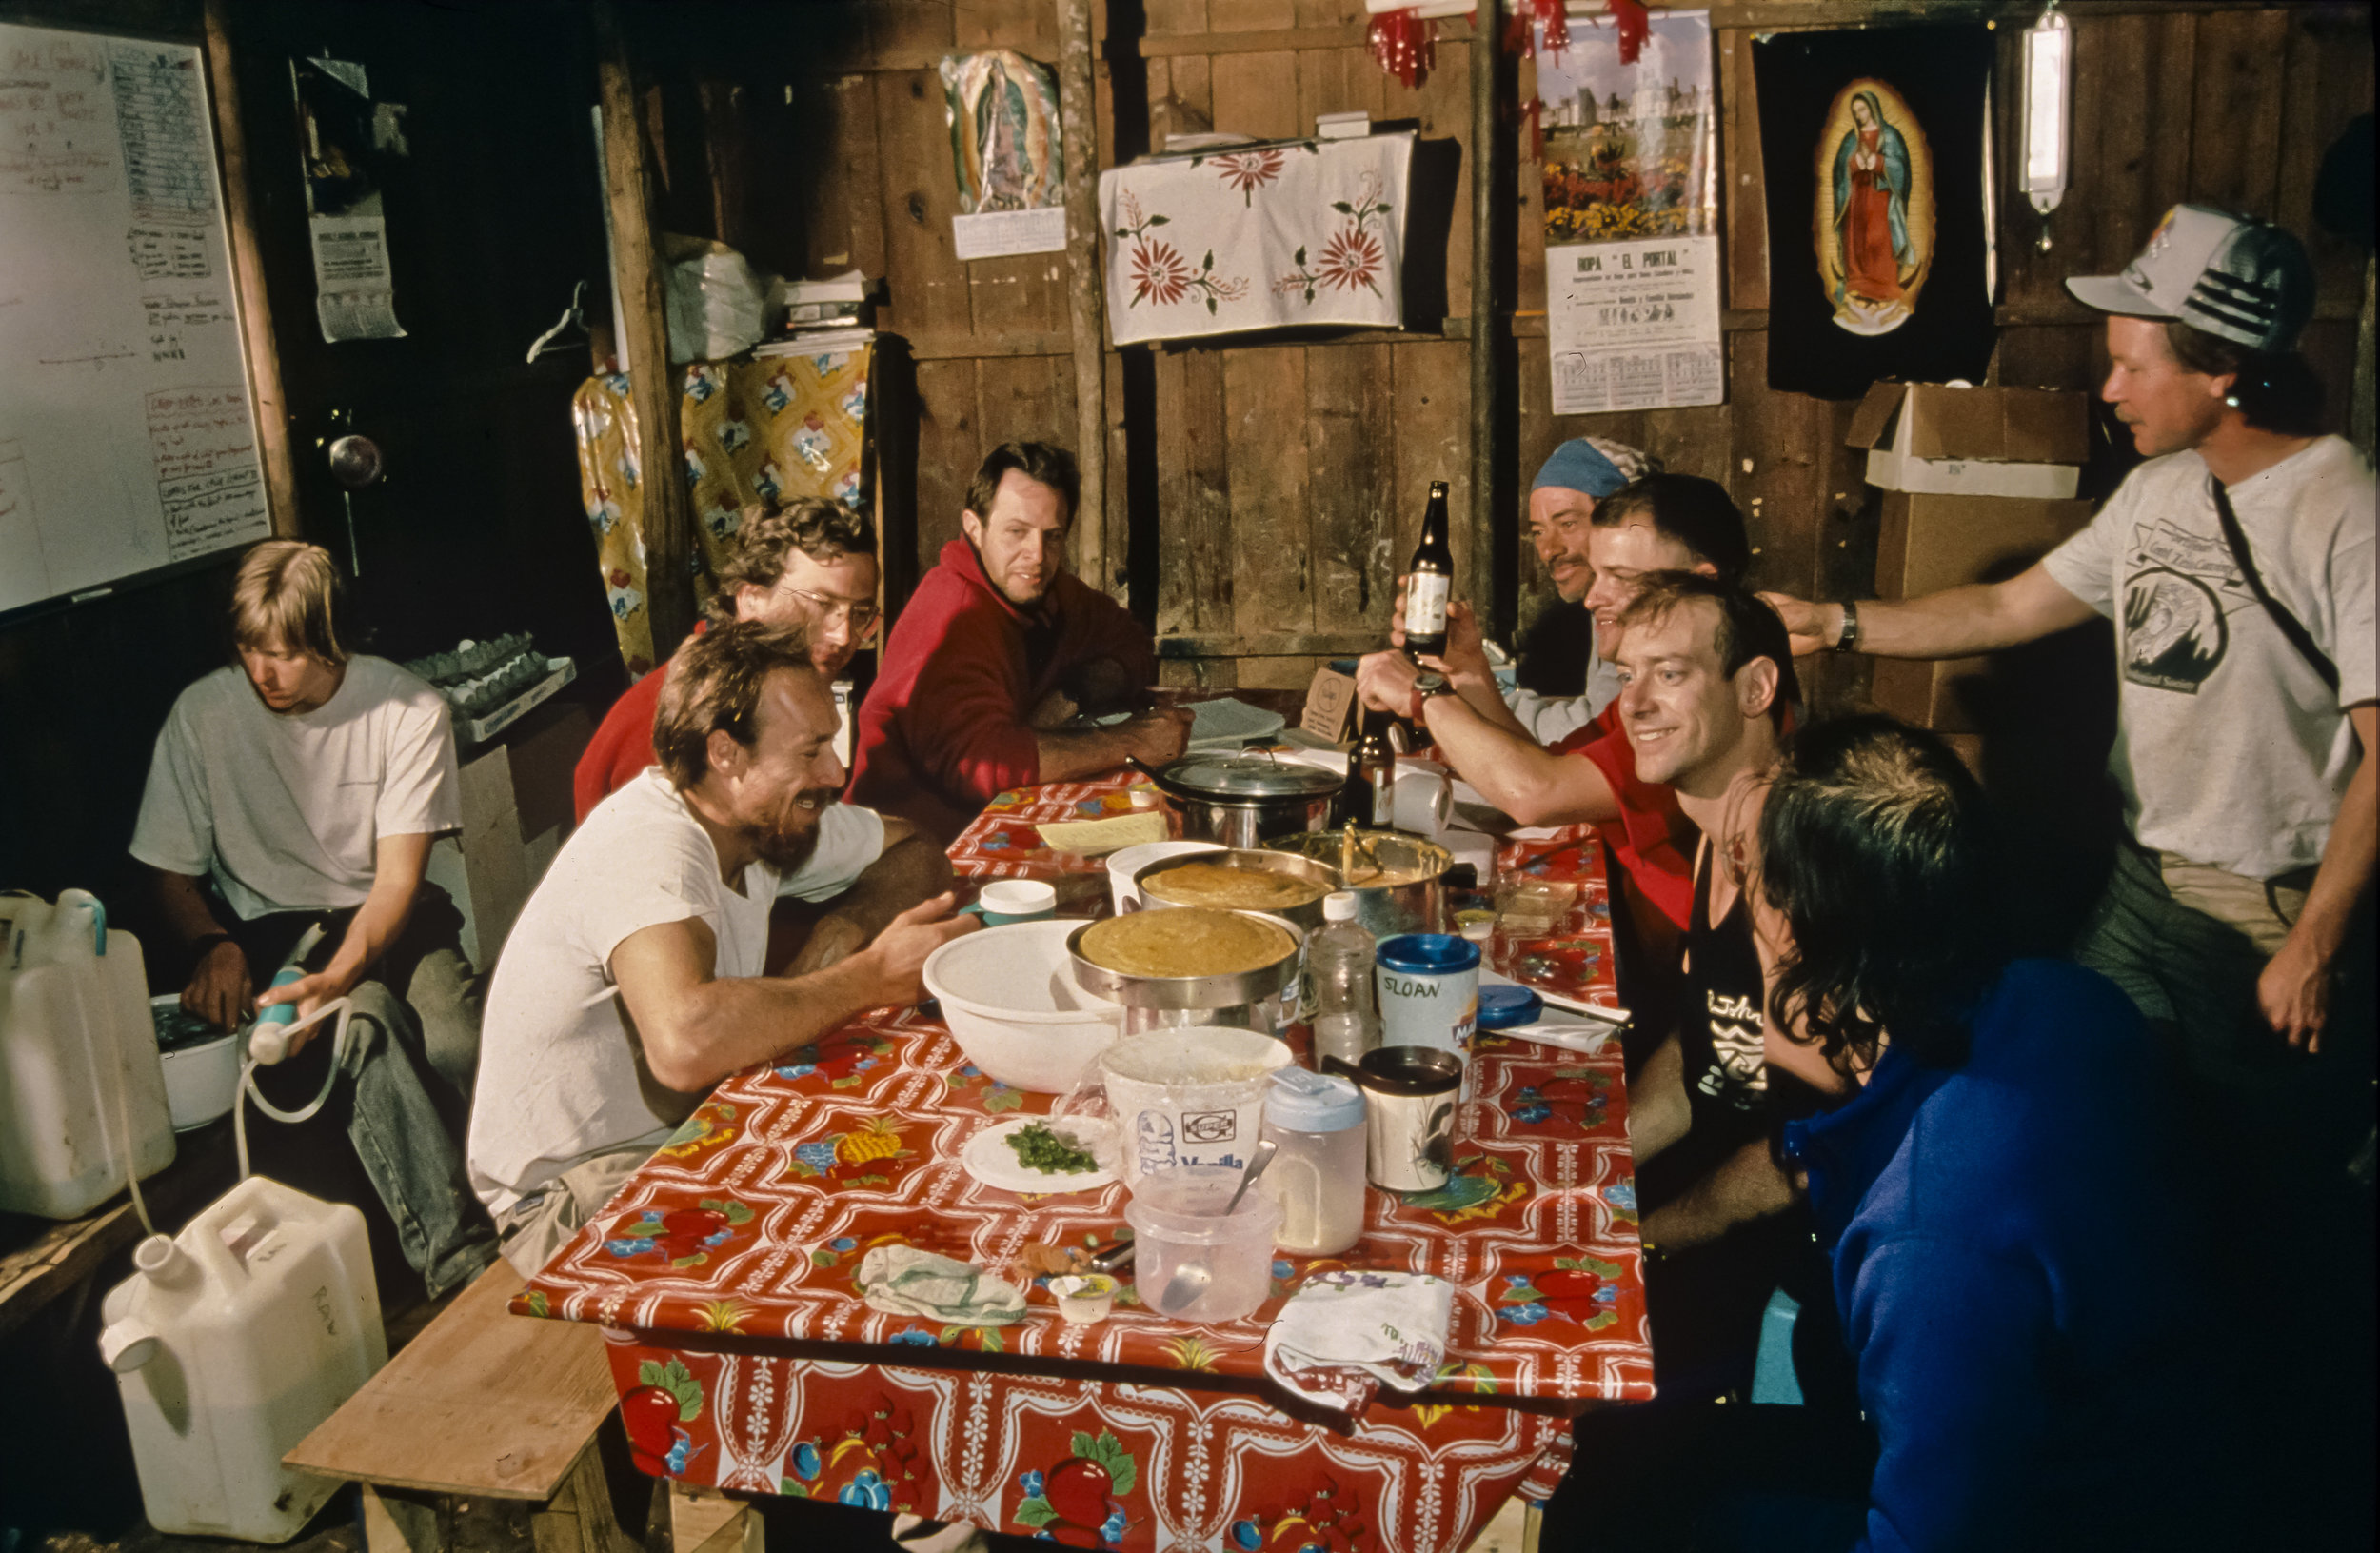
(903, 1281)
(1345, 1334)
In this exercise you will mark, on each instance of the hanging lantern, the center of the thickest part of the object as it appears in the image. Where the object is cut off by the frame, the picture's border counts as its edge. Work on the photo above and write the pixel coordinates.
(2049, 112)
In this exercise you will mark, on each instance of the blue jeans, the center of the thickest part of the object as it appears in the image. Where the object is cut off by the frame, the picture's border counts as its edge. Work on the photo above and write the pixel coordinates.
(406, 1151)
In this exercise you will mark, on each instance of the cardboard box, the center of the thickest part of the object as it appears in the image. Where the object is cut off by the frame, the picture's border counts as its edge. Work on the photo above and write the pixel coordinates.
(1930, 439)
(1927, 543)
(1330, 706)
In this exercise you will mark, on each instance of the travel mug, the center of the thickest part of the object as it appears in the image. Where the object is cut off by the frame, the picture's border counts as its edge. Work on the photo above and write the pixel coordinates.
(1409, 1116)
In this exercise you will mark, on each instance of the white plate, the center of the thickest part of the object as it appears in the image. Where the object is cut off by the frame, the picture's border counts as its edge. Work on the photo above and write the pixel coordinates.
(989, 1160)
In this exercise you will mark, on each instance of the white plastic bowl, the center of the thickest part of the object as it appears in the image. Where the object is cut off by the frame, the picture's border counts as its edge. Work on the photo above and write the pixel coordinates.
(1010, 998)
(202, 1080)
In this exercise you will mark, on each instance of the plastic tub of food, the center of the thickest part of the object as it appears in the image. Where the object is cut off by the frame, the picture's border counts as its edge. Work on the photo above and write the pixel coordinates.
(1177, 1218)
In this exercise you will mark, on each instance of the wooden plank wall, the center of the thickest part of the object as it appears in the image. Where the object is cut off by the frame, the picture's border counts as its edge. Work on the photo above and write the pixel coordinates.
(1289, 477)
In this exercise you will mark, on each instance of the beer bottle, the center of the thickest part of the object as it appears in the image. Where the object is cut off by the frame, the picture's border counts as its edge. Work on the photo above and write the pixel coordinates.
(1431, 581)
(1368, 799)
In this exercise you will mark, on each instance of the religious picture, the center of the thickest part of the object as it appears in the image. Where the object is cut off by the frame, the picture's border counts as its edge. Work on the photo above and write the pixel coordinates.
(1874, 221)
(1003, 132)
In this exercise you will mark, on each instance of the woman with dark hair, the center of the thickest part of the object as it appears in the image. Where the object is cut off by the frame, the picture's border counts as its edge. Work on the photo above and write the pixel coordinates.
(1992, 1182)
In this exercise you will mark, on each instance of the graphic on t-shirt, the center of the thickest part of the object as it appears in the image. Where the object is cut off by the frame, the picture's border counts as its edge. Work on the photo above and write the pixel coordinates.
(2173, 630)
(2180, 588)
(1740, 1076)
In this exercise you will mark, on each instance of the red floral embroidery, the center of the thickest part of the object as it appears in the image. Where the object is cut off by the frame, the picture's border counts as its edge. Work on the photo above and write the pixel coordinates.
(1159, 273)
(1248, 172)
(1351, 259)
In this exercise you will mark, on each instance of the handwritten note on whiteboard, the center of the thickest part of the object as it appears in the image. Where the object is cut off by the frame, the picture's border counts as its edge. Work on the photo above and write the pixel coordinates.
(128, 437)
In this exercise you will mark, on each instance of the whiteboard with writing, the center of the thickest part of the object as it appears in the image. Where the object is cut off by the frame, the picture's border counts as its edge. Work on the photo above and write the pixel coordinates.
(127, 440)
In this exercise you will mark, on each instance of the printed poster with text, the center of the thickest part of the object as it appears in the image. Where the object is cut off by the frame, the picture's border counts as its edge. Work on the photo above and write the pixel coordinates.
(1632, 250)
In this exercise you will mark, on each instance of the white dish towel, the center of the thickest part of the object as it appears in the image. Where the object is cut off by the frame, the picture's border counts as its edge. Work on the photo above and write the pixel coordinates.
(1346, 1333)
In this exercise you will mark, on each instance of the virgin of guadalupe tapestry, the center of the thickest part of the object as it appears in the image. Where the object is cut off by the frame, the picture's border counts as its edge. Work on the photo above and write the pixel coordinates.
(1872, 143)
(1003, 132)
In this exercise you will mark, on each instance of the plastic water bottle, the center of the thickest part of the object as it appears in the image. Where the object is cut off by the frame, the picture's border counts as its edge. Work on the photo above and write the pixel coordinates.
(1340, 958)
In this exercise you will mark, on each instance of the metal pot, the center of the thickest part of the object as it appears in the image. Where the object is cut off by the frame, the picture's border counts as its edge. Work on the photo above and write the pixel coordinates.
(1262, 999)
(1243, 800)
(1307, 917)
(1416, 905)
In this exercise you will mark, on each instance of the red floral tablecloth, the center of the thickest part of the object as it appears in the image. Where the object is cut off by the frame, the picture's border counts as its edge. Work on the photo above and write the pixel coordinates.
(747, 1360)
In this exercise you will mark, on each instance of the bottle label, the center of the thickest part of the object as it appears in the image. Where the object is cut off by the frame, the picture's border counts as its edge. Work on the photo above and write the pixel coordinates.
(1425, 603)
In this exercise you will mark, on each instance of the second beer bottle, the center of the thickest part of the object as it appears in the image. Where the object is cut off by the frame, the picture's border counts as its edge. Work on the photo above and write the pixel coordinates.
(1431, 582)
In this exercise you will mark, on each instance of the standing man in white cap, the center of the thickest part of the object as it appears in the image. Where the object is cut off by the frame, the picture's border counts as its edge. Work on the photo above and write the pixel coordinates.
(2237, 566)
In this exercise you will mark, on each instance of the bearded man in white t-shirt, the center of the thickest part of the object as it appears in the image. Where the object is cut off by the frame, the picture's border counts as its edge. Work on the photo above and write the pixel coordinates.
(632, 982)
(303, 789)
(2236, 918)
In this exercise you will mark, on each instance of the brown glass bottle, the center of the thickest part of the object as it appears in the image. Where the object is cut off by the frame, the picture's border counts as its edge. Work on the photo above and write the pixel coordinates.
(1430, 581)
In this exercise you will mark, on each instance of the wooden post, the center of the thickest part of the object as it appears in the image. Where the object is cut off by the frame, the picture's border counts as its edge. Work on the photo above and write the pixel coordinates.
(652, 386)
(1076, 110)
(1488, 216)
(247, 271)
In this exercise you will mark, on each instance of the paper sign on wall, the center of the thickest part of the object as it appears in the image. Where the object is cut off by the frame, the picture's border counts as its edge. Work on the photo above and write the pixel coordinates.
(342, 133)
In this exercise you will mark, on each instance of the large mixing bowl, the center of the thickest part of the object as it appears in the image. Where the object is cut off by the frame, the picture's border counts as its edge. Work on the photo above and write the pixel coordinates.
(1012, 1002)
(1416, 905)
(1149, 880)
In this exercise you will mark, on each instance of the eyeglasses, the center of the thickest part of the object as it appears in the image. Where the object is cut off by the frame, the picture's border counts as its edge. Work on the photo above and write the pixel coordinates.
(861, 615)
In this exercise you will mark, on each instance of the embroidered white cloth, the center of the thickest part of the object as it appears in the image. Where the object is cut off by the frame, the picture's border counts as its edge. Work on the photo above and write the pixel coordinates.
(1275, 235)
(1346, 1333)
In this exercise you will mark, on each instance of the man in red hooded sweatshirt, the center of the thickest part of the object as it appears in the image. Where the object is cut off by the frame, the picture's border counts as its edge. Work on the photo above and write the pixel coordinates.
(997, 650)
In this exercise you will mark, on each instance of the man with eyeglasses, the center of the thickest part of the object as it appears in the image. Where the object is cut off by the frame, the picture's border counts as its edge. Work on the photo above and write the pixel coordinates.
(808, 566)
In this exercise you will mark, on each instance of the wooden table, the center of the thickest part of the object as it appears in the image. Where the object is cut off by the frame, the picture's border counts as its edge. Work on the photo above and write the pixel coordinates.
(723, 1276)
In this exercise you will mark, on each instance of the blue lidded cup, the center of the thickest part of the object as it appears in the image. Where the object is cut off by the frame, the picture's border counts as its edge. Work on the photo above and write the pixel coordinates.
(1429, 993)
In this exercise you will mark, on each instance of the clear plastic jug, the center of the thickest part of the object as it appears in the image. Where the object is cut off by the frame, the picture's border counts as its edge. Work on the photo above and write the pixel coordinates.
(82, 1086)
(230, 1343)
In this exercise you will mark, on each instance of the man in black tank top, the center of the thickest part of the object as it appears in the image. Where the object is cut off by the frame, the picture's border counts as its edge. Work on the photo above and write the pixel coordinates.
(1707, 676)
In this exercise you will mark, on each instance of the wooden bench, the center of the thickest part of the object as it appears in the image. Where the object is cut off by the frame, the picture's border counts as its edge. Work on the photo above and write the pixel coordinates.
(486, 1403)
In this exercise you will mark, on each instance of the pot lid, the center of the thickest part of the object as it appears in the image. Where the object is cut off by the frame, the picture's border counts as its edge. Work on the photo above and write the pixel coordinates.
(1250, 776)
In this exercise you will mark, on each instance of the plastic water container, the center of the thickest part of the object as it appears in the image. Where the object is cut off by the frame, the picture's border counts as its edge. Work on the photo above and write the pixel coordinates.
(230, 1343)
(82, 1089)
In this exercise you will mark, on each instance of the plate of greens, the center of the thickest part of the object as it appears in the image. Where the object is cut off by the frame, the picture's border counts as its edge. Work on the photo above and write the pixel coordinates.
(1037, 1155)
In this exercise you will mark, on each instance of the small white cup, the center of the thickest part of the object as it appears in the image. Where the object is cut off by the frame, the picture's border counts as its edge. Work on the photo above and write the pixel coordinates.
(1005, 900)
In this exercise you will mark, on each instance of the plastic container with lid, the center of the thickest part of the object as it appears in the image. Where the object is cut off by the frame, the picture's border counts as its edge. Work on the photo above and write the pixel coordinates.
(1317, 1119)
(1177, 1218)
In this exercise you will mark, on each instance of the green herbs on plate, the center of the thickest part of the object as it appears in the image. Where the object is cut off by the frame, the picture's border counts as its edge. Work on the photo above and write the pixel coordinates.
(1038, 1149)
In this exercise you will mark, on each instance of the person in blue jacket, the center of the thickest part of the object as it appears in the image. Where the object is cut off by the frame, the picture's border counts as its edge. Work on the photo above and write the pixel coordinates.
(1995, 1183)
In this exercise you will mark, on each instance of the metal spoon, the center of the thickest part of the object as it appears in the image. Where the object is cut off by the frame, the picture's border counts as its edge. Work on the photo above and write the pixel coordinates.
(1191, 1279)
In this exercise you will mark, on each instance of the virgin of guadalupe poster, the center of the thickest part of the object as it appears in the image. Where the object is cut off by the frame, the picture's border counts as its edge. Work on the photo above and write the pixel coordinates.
(1872, 144)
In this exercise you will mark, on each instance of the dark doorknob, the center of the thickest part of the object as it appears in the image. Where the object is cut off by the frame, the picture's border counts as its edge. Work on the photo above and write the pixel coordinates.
(355, 461)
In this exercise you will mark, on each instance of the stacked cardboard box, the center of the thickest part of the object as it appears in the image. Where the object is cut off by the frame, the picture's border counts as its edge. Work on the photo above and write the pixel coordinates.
(1978, 483)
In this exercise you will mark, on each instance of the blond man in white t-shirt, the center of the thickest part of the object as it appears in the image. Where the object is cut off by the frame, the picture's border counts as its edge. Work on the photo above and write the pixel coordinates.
(305, 786)
(632, 982)
(2245, 698)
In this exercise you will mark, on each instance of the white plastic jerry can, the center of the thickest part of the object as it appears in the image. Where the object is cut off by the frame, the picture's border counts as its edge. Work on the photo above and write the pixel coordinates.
(231, 1341)
(82, 1086)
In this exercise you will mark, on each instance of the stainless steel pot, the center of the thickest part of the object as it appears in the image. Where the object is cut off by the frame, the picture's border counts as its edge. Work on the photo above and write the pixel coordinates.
(1243, 800)
(1149, 879)
(1262, 999)
(1416, 905)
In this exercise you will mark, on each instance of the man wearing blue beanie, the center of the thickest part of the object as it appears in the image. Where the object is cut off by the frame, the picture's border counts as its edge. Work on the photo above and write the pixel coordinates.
(1580, 473)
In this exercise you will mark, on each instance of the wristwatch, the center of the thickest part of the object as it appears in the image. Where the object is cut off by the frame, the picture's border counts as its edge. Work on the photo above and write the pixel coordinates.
(1426, 686)
(1848, 641)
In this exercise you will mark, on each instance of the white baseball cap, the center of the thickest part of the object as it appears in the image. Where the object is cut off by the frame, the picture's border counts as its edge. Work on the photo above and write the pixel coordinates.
(2232, 276)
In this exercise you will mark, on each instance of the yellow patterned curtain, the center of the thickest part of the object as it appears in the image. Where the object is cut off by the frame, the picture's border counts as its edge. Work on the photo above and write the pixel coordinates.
(765, 429)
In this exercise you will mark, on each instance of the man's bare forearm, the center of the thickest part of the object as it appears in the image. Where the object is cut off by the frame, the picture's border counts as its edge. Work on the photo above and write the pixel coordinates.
(1745, 1185)
(2348, 859)
(910, 871)
(1066, 756)
(731, 1023)
(183, 902)
(1516, 773)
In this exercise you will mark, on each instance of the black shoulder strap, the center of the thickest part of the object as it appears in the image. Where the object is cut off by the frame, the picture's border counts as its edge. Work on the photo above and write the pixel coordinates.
(2298, 636)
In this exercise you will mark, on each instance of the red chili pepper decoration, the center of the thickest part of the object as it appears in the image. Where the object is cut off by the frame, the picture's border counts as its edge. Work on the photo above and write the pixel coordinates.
(1634, 26)
(1405, 45)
